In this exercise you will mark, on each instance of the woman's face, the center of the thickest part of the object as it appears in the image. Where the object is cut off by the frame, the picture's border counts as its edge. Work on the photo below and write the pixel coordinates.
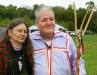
(18, 34)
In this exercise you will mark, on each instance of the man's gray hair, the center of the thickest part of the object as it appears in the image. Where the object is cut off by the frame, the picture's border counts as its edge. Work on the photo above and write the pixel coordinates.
(42, 8)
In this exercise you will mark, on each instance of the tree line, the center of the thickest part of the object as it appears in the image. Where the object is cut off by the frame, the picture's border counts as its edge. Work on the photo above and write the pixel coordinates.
(64, 16)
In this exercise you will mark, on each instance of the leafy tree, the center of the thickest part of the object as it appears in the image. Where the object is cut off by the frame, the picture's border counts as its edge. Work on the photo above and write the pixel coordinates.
(63, 16)
(59, 12)
(11, 12)
(2, 11)
(91, 4)
(4, 22)
(35, 6)
(80, 15)
(28, 20)
(93, 22)
(22, 11)
(70, 7)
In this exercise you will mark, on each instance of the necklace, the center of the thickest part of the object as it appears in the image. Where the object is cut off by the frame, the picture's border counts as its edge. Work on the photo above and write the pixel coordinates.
(20, 63)
(17, 48)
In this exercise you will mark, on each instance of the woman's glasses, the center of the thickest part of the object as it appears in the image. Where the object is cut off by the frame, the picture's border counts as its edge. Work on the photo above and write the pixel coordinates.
(20, 31)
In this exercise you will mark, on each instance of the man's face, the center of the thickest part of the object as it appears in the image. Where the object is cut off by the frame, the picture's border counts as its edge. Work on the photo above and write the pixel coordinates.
(46, 22)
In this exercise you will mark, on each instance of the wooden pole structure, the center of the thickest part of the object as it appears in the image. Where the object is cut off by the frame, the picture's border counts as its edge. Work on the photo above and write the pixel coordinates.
(79, 36)
(75, 17)
(77, 40)
(89, 20)
(84, 18)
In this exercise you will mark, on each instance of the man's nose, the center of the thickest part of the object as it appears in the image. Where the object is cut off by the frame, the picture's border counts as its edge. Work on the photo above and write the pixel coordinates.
(48, 22)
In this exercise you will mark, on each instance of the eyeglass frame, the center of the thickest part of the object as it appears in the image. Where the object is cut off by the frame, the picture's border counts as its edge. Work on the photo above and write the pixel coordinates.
(20, 31)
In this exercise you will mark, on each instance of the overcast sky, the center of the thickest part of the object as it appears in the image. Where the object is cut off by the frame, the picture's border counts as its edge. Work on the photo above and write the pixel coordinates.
(63, 3)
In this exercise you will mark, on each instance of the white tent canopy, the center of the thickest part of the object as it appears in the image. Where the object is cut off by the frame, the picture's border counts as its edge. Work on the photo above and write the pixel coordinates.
(33, 27)
(57, 27)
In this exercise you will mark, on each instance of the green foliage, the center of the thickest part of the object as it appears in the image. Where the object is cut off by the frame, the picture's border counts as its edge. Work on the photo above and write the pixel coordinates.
(59, 13)
(2, 11)
(4, 22)
(8, 11)
(35, 6)
(22, 11)
(11, 12)
(80, 15)
(32, 15)
(93, 22)
(63, 23)
(63, 16)
(71, 25)
(27, 19)
(91, 4)
(68, 15)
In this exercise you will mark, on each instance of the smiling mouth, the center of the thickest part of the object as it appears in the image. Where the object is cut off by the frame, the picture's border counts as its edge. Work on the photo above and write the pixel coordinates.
(49, 27)
(22, 38)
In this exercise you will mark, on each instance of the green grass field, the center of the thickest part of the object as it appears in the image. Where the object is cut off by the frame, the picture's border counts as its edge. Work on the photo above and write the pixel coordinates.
(90, 54)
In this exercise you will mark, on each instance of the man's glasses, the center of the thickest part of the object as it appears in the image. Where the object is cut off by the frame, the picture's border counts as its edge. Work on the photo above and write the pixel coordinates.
(20, 31)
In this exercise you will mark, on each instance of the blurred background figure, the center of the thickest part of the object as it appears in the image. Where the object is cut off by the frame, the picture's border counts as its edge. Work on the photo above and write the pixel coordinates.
(2, 30)
(60, 29)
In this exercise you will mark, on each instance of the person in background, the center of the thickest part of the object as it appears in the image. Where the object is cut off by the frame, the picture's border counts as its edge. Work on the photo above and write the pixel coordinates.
(54, 51)
(16, 50)
(60, 29)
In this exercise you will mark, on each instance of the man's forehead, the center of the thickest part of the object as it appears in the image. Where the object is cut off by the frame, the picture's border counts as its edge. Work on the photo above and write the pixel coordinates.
(46, 13)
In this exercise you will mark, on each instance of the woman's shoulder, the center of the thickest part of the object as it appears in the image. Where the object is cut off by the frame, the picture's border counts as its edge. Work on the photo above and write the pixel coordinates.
(3, 48)
(3, 45)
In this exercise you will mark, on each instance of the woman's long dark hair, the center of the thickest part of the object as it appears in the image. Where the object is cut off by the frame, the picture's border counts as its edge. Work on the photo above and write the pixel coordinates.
(27, 45)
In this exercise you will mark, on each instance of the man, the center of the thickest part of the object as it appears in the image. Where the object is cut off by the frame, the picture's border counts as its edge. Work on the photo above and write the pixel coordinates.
(54, 51)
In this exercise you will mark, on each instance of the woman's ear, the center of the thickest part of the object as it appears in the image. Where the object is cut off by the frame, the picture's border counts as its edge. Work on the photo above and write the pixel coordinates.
(9, 32)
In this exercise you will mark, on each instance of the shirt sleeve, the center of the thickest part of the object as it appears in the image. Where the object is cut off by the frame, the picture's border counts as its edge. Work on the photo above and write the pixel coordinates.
(73, 55)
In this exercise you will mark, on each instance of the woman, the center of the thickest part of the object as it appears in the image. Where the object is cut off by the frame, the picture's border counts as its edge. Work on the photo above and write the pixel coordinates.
(16, 50)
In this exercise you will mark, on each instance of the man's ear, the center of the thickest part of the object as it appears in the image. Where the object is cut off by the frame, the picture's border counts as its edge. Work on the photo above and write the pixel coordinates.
(36, 23)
